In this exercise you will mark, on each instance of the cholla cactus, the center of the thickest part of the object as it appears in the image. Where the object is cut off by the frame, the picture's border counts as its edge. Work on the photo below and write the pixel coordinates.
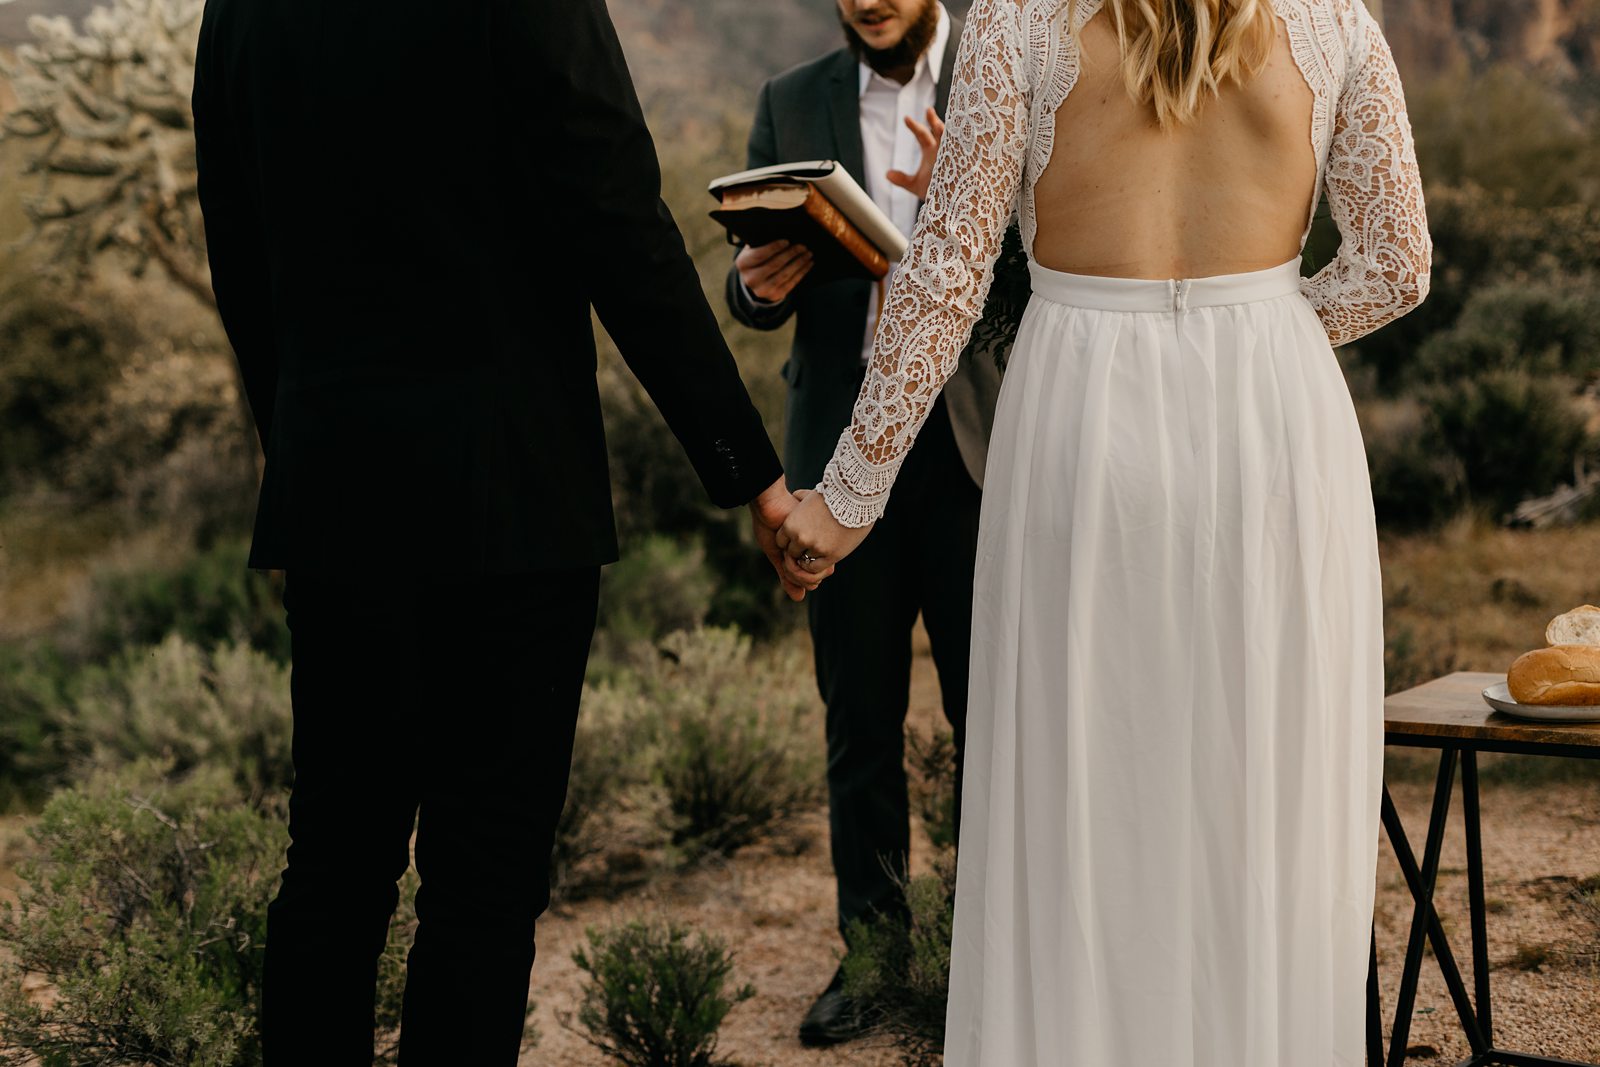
(107, 107)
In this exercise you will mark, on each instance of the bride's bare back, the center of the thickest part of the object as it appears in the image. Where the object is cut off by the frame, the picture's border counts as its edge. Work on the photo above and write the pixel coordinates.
(1227, 193)
(1041, 128)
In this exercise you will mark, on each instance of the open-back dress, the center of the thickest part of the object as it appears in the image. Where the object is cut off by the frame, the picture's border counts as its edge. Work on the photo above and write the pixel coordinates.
(1174, 742)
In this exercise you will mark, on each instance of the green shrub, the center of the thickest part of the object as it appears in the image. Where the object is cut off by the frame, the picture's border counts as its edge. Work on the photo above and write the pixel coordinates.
(113, 402)
(58, 362)
(694, 746)
(227, 709)
(660, 585)
(206, 597)
(654, 997)
(615, 825)
(1507, 129)
(1482, 240)
(736, 750)
(1515, 435)
(139, 930)
(1415, 483)
(169, 442)
(933, 784)
(899, 968)
(1547, 327)
(145, 912)
(33, 686)
(657, 497)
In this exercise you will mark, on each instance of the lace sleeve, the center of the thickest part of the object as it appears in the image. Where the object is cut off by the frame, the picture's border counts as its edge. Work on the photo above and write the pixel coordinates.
(1375, 195)
(939, 290)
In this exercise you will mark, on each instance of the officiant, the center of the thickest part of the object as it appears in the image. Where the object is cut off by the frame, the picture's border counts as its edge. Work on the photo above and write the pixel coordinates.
(873, 106)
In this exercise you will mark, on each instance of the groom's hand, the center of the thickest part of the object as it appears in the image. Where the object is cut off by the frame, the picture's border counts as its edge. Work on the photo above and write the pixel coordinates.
(767, 514)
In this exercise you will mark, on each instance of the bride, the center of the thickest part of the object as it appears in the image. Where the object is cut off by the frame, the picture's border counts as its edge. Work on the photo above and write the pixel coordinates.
(1169, 830)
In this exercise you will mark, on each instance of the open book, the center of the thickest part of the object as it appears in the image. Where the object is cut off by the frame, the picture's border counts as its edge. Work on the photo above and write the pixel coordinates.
(816, 204)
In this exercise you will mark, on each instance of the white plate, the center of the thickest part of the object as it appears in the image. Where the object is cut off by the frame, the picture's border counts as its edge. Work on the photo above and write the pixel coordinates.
(1499, 698)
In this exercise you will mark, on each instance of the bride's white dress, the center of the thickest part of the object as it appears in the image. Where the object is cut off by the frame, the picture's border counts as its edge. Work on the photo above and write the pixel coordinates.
(1174, 741)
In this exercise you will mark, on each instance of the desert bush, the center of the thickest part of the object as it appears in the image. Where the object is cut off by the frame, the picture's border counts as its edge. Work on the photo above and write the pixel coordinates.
(655, 997)
(615, 825)
(205, 597)
(33, 685)
(169, 442)
(139, 930)
(58, 364)
(1508, 130)
(1482, 239)
(898, 967)
(933, 784)
(660, 585)
(99, 402)
(659, 500)
(1415, 484)
(736, 749)
(1515, 434)
(683, 749)
(1547, 327)
(144, 911)
(226, 709)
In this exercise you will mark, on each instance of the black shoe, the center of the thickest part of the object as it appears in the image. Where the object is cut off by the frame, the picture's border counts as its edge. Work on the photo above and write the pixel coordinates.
(834, 1018)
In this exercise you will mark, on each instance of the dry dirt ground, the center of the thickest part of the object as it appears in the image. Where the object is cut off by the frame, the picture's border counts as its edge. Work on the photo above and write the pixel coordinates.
(1541, 841)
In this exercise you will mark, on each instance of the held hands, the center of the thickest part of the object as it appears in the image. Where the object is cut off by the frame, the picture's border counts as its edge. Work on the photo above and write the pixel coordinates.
(928, 137)
(813, 541)
(767, 514)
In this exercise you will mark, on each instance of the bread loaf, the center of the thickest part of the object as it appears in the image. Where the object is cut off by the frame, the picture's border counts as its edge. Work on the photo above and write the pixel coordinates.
(1580, 626)
(1563, 674)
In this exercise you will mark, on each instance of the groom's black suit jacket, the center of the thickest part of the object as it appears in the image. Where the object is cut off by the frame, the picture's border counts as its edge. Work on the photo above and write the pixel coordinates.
(410, 210)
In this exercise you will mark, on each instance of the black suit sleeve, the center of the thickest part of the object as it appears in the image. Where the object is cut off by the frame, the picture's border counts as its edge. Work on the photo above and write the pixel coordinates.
(234, 234)
(762, 151)
(640, 277)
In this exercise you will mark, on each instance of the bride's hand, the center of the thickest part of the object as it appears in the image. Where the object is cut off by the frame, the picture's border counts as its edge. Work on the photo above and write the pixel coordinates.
(813, 541)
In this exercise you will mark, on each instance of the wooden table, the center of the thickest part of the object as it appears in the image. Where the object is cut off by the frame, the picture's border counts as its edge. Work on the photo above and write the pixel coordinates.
(1450, 714)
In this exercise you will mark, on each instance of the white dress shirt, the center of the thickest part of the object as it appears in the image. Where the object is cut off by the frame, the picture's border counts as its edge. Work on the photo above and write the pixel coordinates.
(887, 144)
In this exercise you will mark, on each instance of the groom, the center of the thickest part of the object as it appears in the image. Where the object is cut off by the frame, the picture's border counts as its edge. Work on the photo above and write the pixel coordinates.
(410, 212)
(867, 105)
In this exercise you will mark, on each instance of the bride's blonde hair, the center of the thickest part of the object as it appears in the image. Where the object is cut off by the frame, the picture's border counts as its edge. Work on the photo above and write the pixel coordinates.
(1178, 53)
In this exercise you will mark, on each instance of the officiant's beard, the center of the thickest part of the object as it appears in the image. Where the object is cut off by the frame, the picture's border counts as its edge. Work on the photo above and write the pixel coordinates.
(901, 56)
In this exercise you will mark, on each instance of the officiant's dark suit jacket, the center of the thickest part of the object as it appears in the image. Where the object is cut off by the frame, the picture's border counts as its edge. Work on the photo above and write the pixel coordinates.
(824, 370)
(410, 211)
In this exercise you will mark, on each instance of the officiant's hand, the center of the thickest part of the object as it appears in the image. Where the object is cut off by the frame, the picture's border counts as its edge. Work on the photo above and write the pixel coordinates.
(767, 513)
(813, 541)
(771, 271)
(928, 137)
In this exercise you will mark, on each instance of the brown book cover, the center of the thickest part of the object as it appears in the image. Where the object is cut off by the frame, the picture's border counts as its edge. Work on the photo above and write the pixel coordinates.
(763, 212)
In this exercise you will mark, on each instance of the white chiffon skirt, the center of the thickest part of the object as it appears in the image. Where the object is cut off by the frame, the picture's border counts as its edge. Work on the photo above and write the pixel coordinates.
(1174, 742)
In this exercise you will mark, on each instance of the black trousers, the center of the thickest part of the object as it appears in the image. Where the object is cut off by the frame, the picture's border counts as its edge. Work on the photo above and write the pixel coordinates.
(445, 704)
(919, 558)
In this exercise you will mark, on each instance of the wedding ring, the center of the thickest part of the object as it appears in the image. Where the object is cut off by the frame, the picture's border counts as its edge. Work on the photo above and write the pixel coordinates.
(806, 557)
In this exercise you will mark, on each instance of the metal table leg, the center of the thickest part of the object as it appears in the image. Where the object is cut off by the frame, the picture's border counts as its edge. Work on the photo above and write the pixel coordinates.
(1480, 923)
(1374, 1008)
(1435, 929)
(1476, 1020)
(1425, 918)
